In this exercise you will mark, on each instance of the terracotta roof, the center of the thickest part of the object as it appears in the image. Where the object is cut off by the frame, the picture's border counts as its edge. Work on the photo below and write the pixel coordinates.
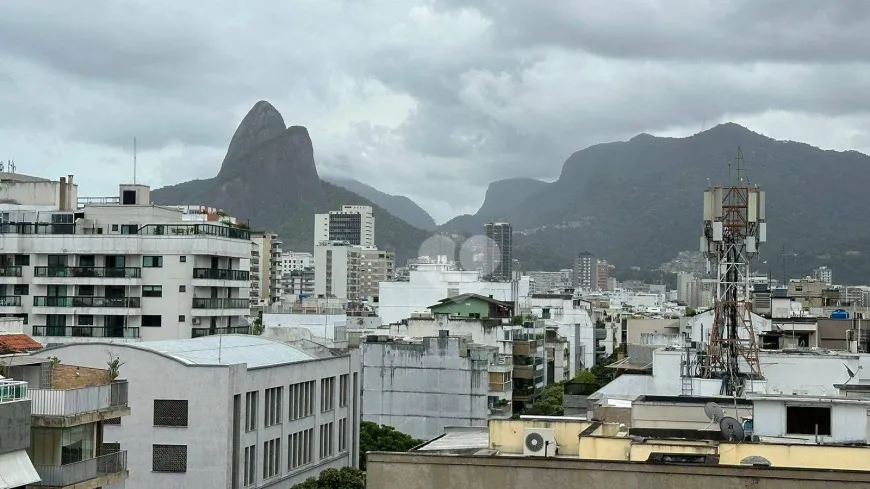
(17, 343)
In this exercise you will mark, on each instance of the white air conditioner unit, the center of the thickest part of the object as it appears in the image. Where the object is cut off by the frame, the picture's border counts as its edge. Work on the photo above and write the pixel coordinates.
(540, 442)
(195, 320)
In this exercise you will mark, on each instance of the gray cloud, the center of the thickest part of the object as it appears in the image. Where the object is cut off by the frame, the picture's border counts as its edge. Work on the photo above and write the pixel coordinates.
(433, 99)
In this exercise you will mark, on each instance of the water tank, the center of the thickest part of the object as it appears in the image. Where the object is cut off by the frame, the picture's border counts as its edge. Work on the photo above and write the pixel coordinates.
(840, 314)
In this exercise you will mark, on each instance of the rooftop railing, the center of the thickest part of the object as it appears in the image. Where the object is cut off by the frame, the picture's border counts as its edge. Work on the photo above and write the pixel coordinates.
(105, 463)
(70, 402)
(148, 229)
(12, 390)
(200, 332)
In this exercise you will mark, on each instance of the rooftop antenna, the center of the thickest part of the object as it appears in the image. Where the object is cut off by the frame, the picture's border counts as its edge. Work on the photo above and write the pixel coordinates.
(11, 166)
(134, 160)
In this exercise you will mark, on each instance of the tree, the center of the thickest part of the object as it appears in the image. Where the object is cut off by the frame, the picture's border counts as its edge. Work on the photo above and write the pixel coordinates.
(549, 403)
(382, 438)
(344, 478)
(257, 327)
(690, 312)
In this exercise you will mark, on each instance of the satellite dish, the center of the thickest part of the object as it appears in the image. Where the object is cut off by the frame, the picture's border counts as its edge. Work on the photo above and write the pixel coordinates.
(755, 460)
(731, 429)
(714, 412)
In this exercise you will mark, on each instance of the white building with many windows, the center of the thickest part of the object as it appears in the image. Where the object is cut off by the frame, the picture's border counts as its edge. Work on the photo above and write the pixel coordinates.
(353, 223)
(117, 267)
(230, 411)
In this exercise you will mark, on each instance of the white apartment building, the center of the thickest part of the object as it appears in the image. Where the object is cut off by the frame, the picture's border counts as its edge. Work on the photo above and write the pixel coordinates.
(570, 319)
(430, 282)
(337, 270)
(824, 275)
(296, 260)
(353, 223)
(116, 267)
(230, 411)
(266, 271)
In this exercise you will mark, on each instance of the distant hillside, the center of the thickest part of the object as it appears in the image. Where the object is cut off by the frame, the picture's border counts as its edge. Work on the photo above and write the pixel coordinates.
(638, 202)
(501, 198)
(270, 178)
(397, 205)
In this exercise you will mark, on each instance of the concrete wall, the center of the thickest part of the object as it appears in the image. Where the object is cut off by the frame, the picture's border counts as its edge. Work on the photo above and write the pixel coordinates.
(14, 426)
(465, 309)
(415, 471)
(680, 415)
(636, 327)
(421, 388)
(508, 435)
(848, 421)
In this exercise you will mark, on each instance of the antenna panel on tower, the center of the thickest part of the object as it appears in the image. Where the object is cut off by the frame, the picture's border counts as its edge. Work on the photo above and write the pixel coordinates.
(752, 210)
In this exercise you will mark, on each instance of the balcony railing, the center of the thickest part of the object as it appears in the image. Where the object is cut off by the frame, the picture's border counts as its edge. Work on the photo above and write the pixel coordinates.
(500, 411)
(88, 272)
(195, 230)
(10, 271)
(199, 332)
(10, 300)
(221, 274)
(86, 331)
(219, 303)
(12, 390)
(501, 386)
(104, 464)
(86, 301)
(69, 402)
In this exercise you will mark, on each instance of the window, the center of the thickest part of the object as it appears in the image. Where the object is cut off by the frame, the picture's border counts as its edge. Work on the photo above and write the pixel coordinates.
(170, 413)
(20, 289)
(151, 321)
(182, 288)
(250, 475)
(327, 394)
(301, 400)
(182, 259)
(113, 421)
(271, 458)
(804, 420)
(129, 229)
(273, 406)
(152, 291)
(343, 390)
(86, 320)
(300, 448)
(342, 435)
(114, 228)
(169, 458)
(152, 261)
(181, 318)
(86, 290)
(22, 260)
(251, 410)
(326, 440)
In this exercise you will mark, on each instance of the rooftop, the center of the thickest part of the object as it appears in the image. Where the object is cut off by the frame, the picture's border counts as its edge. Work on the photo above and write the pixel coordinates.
(458, 440)
(465, 297)
(255, 351)
(17, 343)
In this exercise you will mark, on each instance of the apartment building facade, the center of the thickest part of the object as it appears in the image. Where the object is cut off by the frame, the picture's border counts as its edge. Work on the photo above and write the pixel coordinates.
(376, 266)
(498, 252)
(237, 411)
(354, 224)
(266, 271)
(120, 268)
(337, 270)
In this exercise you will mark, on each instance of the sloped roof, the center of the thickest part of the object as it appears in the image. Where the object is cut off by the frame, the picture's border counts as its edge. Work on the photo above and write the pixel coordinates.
(465, 297)
(18, 343)
(255, 351)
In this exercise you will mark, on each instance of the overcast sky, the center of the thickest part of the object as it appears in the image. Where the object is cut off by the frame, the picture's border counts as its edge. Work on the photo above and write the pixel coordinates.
(431, 99)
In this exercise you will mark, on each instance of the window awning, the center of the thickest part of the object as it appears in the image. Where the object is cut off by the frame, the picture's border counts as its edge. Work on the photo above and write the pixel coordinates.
(17, 470)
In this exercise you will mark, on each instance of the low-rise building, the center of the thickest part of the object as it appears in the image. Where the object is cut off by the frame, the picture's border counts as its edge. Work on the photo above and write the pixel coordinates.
(420, 386)
(230, 410)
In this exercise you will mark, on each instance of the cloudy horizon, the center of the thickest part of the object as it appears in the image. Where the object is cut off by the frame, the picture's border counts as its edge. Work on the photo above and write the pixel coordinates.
(429, 99)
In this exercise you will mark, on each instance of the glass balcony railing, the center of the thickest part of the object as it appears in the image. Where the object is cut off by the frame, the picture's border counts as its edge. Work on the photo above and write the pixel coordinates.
(12, 390)
(86, 301)
(195, 230)
(86, 331)
(199, 332)
(220, 303)
(10, 300)
(88, 272)
(221, 274)
(104, 464)
(10, 271)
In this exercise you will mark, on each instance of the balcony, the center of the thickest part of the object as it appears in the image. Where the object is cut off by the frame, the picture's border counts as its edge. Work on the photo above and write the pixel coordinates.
(500, 411)
(204, 306)
(195, 230)
(12, 390)
(525, 347)
(10, 274)
(200, 332)
(104, 469)
(9, 302)
(501, 386)
(524, 372)
(87, 275)
(85, 302)
(57, 408)
(218, 277)
(86, 332)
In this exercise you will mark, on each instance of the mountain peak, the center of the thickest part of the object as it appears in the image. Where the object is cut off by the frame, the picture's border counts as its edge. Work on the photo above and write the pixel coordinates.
(263, 122)
(730, 130)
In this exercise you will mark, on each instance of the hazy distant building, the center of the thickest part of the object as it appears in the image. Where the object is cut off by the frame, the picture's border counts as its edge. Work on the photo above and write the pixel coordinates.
(353, 223)
(602, 275)
(824, 275)
(498, 252)
(585, 271)
(376, 266)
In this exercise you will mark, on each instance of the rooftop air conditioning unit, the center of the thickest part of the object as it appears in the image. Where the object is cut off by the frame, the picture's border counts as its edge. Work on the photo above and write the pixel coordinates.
(540, 442)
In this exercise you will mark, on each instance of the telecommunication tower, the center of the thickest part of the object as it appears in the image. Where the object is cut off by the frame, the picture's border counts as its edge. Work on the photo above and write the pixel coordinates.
(734, 229)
